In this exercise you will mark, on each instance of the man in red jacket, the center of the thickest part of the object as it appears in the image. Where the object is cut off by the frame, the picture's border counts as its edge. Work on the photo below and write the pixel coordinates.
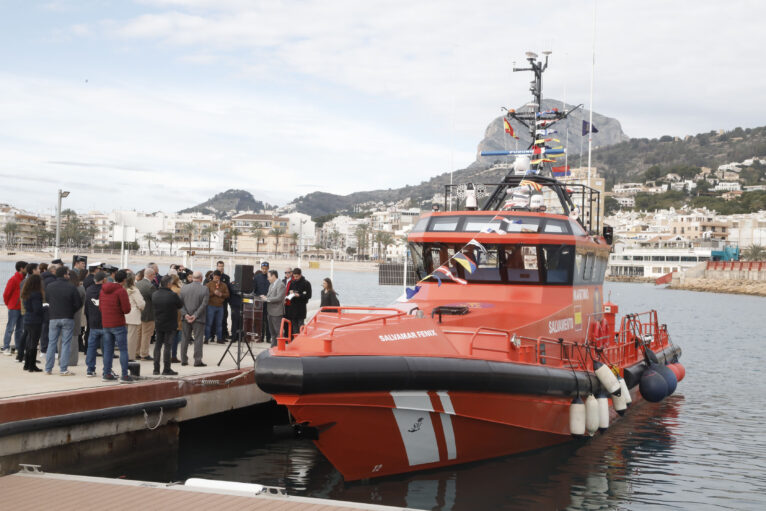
(11, 299)
(114, 304)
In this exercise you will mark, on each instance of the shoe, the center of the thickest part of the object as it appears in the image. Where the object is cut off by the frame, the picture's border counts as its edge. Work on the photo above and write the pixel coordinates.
(67, 373)
(48, 373)
(221, 342)
(34, 369)
(206, 341)
(148, 357)
(184, 363)
(90, 374)
(109, 377)
(175, 360)
(7, 352)
(169, 372)
(127, 379)
(200, 364)
(156, 372)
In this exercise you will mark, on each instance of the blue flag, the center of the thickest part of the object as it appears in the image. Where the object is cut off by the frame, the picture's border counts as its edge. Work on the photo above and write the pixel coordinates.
(412, 292)
(588, 128)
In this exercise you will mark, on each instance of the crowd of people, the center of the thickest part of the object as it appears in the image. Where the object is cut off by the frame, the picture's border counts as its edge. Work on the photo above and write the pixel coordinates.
(98, 308)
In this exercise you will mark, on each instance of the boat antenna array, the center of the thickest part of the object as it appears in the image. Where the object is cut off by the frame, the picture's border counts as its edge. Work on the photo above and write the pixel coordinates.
(539, 123)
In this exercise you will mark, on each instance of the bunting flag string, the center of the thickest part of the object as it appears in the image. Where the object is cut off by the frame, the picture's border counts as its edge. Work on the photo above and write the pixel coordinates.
(544, 140)
(532, 184)
(466, 262)
(444, 270)
(546, 132)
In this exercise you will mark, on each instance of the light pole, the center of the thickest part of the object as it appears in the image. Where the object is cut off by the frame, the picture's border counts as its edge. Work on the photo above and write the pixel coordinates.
(61, 195)
(300, 238)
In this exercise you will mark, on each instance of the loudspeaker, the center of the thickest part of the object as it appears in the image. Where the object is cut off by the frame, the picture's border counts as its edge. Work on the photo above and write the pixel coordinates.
(243, 276)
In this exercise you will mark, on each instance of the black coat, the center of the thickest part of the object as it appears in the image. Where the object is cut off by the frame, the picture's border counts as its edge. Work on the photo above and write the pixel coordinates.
(63, 299)
(166, 304)
(92, 310)
(47, 277)
(329, 299)
(33, 307)
(297, 307)
(88, 281)
(260, 284)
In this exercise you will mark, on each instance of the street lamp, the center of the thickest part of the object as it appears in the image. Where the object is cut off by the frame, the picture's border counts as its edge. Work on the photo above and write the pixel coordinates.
(61, 195)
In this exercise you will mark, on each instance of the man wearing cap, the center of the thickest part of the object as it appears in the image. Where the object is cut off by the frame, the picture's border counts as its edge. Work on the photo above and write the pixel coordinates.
(225, 279)
(261, 288)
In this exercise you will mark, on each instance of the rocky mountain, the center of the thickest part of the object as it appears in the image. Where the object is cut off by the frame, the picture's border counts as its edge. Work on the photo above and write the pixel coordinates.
(495, 139)
(228, 202)
(569, 134)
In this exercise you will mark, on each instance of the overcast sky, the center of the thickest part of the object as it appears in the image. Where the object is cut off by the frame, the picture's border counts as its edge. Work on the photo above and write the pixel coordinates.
(159, 104)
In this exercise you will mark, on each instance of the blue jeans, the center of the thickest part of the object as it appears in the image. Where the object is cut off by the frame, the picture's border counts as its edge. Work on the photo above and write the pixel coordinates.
(95, 339)
(65, 327)
(116, 335)
(14, 321)
(214, 318)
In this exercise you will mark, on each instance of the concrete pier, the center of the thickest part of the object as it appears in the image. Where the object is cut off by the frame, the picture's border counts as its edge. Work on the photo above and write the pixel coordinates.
(58, 420)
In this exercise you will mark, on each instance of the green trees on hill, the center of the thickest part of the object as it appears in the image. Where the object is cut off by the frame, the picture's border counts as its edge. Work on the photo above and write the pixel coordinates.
(749, 202)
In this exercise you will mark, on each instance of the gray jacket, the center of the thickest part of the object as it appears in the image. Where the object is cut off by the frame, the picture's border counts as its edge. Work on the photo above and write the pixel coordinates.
(147, 290)
(194, 298)
(275, 299)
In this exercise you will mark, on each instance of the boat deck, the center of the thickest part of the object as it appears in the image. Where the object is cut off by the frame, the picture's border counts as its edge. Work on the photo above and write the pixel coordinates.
(36, 490)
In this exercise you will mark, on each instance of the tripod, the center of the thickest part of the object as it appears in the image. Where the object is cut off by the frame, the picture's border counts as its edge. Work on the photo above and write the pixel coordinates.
(241, 354)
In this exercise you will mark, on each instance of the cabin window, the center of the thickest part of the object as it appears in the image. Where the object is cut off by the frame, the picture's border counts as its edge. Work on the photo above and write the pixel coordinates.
(421, 225)
(444, 223)
(477, 223)
(554, 226)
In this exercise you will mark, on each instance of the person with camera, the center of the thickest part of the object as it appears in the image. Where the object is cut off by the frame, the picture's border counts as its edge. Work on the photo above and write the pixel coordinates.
(218, 293)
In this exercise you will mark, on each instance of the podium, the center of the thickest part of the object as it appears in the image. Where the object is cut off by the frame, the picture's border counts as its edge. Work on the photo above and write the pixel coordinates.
(252, 318)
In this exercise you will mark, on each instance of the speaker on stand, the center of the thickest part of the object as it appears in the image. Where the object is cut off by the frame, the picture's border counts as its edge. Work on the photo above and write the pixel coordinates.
(242, 304)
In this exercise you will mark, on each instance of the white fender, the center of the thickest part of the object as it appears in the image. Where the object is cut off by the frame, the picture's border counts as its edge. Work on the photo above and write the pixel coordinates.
(577, 417)
(591, 415)
(606, 377)
(625, 392)
(603, 411)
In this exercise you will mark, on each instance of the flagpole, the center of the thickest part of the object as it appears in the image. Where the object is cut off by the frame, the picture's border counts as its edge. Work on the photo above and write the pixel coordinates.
(592, 78)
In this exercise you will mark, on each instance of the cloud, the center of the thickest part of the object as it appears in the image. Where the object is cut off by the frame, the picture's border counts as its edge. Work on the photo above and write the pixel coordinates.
(439, 54)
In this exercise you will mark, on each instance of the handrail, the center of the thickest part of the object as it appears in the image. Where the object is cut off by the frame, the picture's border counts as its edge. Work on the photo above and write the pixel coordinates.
(506, 333)
(327, 309)
(282, 341)
(368, 320)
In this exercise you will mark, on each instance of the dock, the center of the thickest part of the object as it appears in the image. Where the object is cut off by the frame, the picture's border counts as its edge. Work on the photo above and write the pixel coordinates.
(56, 421)
(32, 490)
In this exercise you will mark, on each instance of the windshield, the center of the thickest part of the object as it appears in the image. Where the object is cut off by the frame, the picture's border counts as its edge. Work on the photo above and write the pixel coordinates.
(516, 263)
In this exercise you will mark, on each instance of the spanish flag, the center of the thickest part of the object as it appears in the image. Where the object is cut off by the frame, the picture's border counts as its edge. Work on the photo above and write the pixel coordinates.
(532, 184)
(509, 128)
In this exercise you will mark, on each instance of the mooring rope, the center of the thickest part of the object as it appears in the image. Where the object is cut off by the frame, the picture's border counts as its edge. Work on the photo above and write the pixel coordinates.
(146, 420)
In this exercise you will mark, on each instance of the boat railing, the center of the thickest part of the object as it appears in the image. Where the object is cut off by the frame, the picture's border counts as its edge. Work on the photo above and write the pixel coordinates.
(636, 330)
(382, 314)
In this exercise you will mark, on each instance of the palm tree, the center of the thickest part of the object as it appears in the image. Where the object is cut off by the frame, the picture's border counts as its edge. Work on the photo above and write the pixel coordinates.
(10, 229)
(382, 239)
(258, 233)
(169, 238)
(208, 232)
(276, 232)
(294, 236)
(189, 229)
(149, 238)
(755, 252)
(361, 232)
(233, 233)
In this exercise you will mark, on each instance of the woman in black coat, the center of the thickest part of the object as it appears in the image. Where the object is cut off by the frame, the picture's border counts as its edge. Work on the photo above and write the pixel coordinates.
(329, 296)
(32, 294)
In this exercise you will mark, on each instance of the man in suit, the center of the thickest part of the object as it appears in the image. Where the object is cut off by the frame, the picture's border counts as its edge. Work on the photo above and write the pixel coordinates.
(275, 304)
(225, 322)
(194, 298)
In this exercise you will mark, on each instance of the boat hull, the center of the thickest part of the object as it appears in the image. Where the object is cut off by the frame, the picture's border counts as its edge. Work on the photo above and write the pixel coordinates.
(367, 435)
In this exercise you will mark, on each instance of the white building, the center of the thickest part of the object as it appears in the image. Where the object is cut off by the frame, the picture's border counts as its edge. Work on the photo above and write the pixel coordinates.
(305, 227)
(727, 186)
